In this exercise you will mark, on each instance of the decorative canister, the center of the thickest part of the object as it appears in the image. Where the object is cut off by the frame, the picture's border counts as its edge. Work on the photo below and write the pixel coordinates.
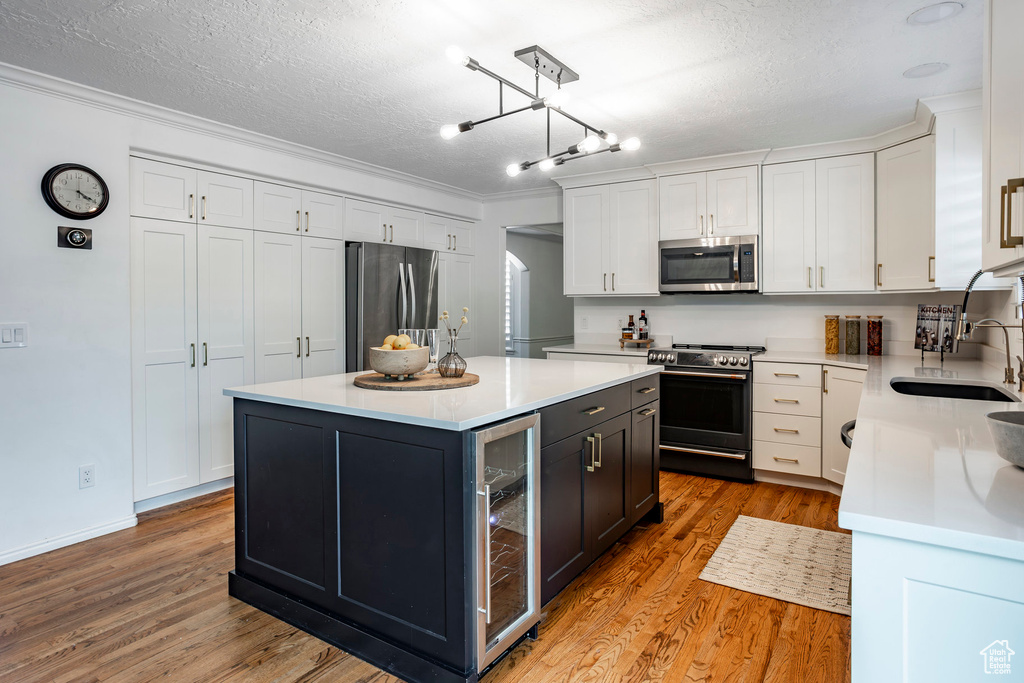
(874, 335)
(853, 335)
(831, 334)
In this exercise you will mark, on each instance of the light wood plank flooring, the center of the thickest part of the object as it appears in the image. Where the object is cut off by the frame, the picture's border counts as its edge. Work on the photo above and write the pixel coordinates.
(151, 602)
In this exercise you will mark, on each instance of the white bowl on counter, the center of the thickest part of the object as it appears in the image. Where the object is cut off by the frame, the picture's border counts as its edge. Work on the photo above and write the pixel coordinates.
(399, 364)
(1007, 429)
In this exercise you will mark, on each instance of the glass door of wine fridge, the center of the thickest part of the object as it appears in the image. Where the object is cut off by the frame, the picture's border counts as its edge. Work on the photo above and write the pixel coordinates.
(506, 457)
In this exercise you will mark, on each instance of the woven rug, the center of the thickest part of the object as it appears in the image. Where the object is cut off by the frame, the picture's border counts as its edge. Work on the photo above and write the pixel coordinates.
(810, 567)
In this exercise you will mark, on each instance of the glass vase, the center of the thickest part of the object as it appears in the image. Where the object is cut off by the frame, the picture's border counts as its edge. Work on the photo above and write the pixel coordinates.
(451, 364)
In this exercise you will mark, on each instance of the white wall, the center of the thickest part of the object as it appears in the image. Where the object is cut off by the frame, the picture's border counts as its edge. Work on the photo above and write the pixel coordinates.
(66, 399)
(754, 319)
(549, 313)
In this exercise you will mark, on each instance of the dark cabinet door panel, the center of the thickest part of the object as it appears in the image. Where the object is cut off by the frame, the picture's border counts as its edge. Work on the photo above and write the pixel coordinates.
(644, 460)
(564, 549)
(607, 487)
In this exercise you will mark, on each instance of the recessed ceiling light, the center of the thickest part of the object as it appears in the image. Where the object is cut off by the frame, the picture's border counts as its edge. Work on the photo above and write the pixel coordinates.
(935, 13)
(925, 70)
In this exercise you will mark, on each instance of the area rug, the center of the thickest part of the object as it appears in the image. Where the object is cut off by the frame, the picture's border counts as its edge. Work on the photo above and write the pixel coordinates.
(806, 566)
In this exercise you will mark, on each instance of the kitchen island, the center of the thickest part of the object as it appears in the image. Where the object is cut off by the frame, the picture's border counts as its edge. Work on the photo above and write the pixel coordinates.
(363, 517)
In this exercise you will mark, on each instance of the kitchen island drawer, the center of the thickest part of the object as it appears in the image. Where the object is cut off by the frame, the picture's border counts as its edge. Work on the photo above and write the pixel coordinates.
(645, 390)
(798, 430)
(781, 457)
(787, 400)
(794, 374)
(581, 414)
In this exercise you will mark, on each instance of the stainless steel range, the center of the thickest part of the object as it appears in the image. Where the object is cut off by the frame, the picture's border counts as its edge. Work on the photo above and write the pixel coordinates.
(706, 408)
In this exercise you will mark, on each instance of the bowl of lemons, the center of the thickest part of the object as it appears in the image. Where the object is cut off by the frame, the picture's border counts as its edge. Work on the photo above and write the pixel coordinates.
(398, 357)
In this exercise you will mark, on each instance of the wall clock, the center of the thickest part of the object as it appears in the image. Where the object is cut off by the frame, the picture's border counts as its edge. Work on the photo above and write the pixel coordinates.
(75, 191)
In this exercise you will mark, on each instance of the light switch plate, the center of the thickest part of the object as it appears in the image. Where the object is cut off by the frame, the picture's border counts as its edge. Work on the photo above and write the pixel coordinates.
(13, 335)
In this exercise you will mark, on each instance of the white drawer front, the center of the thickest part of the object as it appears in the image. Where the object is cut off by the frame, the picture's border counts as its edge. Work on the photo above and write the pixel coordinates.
(774, 398)
(795, 374)
(798, 430)
(780, 457)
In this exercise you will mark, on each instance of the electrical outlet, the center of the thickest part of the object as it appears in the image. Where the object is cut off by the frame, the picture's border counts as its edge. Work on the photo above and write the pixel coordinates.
(584, 323)
(619, 325)
(86, 476)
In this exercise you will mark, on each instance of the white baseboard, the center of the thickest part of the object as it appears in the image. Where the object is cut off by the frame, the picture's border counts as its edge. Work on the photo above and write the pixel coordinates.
(67, 539)
(797, 480)
(183, 495)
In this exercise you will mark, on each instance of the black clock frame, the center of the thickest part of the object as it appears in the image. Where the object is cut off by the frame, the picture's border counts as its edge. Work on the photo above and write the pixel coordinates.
(51, 201)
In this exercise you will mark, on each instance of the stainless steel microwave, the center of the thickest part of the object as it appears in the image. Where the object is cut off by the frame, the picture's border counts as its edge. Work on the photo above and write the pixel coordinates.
(708, 264)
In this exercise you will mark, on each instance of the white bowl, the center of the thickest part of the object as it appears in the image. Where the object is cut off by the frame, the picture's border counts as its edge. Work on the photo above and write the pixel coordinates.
(1007, 429)
(399, 364)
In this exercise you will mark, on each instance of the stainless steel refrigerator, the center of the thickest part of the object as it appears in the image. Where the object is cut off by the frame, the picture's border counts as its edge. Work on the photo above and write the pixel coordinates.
(387, 288)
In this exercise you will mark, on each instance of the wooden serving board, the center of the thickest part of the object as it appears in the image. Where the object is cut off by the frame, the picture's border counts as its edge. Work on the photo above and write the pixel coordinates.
(431, 382)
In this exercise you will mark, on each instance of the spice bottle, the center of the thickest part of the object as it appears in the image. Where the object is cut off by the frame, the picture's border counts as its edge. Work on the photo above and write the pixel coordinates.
(853, 335)
(875, 335)
(831, 334)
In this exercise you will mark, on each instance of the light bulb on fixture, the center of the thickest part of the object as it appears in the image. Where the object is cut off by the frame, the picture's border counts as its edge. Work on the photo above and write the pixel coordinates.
(456, 55)
(589, 144)
(558, 100)
(547, 164)
(449, 131)
(513, 170)
(630, 144)
(610, 138)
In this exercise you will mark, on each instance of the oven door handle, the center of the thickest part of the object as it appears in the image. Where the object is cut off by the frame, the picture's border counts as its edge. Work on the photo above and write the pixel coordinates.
(701, 451)
(702, 374)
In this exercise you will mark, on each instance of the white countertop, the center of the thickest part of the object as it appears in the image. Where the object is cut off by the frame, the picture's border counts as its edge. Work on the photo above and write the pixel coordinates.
(925, 469)
(508, 387)
(599, 349)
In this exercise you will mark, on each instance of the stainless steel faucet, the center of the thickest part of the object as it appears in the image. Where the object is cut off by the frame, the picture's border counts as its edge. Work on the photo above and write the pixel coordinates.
(964, 329)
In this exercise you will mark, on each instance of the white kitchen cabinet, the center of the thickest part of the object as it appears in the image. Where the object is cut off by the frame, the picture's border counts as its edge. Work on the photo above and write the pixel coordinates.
(712, 204)
(447, 234)
(840, 399)
(278, 306)
(159, 190)
(788, 261)
(455, 291)
(839, 229)
(323, 306)
(787, 418)
(192, 337)
(682, 206)
(279, 208)
(611, 240)
(370, 222)
(732, 202)
(224, 200)
(845, 223)
(226, 353)
(1003, 116)
(165, 393)
(906, 216)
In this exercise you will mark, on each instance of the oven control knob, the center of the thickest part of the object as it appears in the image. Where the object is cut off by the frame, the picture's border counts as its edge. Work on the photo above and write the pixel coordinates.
(734, 360)
(743, 361)
(661, 357)
(716, 359)
(672, 358)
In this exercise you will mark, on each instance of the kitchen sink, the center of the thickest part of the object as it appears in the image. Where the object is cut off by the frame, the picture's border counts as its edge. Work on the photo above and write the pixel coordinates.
(964, 390)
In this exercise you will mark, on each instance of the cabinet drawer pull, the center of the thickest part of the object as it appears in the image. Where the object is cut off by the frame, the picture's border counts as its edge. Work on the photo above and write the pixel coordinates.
(810, 282)
(785, 400)
(931, 268)
(878, 274)
(593, 446)
(298, 342)
(193, 354)
(1006, 240)
(786, 431)
(597, 463)
(307, 347)
(795, 461)
(647, 390)
(204, 207)
(594, 411)
(786, 374)
(298, 221)
(307, 221)
(206, 355)
(649, 411)
(191, 206)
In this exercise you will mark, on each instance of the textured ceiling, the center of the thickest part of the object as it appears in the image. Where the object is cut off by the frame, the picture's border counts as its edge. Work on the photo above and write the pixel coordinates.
(369, 79)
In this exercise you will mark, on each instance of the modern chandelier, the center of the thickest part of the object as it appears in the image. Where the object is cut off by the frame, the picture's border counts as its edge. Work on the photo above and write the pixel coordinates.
(543, 64)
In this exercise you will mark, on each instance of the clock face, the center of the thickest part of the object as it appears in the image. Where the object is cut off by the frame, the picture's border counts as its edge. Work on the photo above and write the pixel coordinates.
(75, 191)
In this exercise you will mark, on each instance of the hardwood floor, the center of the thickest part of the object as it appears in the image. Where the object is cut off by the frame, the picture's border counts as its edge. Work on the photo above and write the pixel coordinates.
(151, 602)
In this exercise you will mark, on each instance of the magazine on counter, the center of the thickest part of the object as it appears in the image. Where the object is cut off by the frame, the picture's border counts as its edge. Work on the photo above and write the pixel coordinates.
(936, 328)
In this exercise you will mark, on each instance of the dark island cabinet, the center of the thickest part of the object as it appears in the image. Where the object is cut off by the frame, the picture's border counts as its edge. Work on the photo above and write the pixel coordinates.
(597, 483)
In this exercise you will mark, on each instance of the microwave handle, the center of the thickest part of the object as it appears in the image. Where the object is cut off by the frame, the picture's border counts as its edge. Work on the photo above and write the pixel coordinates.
(736, 262)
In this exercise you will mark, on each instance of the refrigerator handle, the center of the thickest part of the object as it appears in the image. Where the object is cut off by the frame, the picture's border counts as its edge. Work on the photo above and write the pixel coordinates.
(405, 301)
(412, 297)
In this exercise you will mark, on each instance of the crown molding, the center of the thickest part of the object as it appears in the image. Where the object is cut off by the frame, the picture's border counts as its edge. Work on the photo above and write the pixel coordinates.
(959, 101)
(621, 175)
(712, 163)
(34, 81)
(513, 195)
